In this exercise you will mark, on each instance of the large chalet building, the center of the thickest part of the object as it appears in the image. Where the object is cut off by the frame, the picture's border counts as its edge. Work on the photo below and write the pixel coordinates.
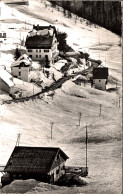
(46, 164)
(41, 43)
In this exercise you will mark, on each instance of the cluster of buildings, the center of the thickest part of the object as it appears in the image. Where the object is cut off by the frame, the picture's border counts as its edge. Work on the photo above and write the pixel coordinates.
(40, 163)
(41, 45)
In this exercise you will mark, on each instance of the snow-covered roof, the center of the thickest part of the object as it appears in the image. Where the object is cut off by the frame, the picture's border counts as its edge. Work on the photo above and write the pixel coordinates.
(22, 59)
(24, 56)
(6, 77)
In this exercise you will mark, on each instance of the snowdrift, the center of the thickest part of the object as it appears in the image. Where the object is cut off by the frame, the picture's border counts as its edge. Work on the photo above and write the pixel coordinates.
(29, 186)
(71, 89)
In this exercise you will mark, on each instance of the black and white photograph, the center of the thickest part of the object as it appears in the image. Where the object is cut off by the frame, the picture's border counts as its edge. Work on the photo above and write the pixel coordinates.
(61, 96)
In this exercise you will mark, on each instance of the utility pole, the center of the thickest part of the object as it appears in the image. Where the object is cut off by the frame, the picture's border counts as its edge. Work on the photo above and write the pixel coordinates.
(52, 129)
(86, 148)
(18, 139)
(119, 102)
(80, 114)
(105, 61)
(100, 107)
(33, 89)
(25, 25)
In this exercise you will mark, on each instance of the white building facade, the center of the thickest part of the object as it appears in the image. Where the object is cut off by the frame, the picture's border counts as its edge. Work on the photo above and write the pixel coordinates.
(42, 45)
(21, 72)
(100, 84)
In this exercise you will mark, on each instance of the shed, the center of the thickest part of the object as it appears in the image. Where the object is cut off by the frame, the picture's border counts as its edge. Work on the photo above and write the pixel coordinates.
(100, 76)
(46, 164)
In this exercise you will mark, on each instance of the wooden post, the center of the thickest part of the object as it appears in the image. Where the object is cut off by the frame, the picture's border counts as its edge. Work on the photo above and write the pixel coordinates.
(18, 139)
(80, 114)
(116, 86)
(33, 89)
(119, 102)
(52, 130)
(100, 105)
(105, 61)
(86, 148)
(25, 25)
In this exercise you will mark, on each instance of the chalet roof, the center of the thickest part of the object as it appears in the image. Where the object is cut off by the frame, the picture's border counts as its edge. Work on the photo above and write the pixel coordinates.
(6, 77)
(39, 42)
(33, 159)
(45, 27)
(100, 73)
(23, 60)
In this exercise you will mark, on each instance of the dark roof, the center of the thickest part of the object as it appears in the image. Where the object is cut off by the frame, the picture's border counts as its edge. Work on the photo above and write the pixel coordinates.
(33, 159)
(22, 64)
(100, 73)
(38, 41)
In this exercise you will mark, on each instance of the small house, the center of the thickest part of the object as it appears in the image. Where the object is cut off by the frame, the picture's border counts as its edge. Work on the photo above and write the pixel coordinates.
(2, 34)
(41, 43)
(21, 68)
(6, 81)
(100, 77)
(46, 164)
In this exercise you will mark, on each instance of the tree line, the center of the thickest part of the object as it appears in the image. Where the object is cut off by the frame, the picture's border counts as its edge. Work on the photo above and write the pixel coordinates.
(104, 13)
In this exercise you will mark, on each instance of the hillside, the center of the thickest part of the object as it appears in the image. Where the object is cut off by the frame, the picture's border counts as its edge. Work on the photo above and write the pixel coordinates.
(104, 13)
(33, 119)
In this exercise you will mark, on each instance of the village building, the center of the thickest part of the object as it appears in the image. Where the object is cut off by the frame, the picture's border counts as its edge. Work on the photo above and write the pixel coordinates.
(46, 164)
(6, 81)
(2, 34)
(100, 77)
(80, 80)
(21, 68)
(41, 44)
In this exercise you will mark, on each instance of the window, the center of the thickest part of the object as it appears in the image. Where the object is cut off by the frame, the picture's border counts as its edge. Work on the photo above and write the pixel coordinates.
(58, 157)
(40, 51)
(46, 50)
(30, 50)
(30, 56)
(36, 51)
(19, 73)
(99, 80)
(36, 56)
(4, 35)
(57, 171)
(39, 56)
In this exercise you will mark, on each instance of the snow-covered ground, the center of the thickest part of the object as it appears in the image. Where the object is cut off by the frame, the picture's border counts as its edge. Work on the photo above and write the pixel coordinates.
(32, 119)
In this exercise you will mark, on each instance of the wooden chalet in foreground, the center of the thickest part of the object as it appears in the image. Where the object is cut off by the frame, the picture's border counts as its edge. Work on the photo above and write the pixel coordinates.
(45, 164)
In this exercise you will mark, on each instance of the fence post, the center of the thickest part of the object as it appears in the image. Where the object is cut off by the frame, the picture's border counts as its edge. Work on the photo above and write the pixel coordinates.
(80, 114)
(100, 105)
